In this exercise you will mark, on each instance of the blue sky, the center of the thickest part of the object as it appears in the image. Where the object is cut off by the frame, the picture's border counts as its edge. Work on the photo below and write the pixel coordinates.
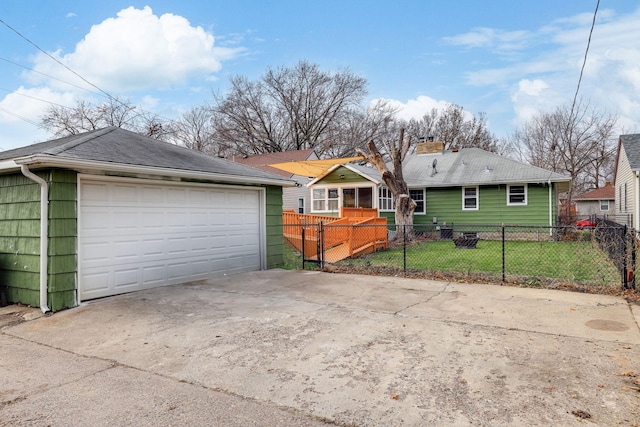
(508, 59)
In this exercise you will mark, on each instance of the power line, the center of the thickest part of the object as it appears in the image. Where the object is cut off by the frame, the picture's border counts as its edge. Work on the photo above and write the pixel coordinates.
(54, 58)
(584, 62)
(50, 76)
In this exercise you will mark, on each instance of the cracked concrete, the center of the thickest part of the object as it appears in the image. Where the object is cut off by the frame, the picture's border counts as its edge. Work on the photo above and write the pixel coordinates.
(308, 348)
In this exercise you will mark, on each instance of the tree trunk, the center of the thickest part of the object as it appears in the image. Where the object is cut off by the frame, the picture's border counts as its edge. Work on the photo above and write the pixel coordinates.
(404, 217)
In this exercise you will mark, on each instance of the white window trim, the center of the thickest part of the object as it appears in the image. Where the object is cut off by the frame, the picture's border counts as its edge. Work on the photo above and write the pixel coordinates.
(477, 188)
(393, 204)
(326, 187)
(424, 200)
(526, 194)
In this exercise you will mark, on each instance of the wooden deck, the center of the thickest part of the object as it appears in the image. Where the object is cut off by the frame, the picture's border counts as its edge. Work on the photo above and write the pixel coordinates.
(345, 237)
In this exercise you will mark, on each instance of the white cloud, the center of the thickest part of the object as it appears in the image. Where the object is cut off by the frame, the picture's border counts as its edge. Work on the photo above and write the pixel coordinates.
(491, 38)
(31, 103)
(138, 50)
(532, 87)
(418, 107)
(548, 76)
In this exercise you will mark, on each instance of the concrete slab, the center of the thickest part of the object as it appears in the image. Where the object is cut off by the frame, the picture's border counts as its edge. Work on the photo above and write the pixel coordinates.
(363, 350)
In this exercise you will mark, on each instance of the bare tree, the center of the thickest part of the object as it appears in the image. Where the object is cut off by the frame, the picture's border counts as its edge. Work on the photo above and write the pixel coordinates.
(456, 128)
(287, 109)
(396, 150)
(578, 142)
(194, 129)
(85, 116)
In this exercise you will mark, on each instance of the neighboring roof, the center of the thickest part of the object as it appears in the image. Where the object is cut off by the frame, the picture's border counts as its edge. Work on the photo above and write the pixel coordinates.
(116, 149)
(473, 166)
(262, 161)
(608, 192)
(313, 168)
(631, 144)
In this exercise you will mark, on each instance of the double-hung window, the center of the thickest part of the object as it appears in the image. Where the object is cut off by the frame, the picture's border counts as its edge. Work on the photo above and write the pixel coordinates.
(325, 199)
(516, 195)
(470, 199)
(418, 197)
(385, 199)
(604, 205)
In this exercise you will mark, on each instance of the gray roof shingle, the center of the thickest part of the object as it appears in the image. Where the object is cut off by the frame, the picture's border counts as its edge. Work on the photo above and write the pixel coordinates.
(472, 166)
(631, 144)
(469, 166)
(119, 146)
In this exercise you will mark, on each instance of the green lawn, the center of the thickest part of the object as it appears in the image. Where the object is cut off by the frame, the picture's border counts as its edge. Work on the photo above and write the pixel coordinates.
(580, 262)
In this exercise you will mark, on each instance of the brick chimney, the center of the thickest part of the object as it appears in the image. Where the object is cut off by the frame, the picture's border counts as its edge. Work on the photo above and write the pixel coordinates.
(430, 146)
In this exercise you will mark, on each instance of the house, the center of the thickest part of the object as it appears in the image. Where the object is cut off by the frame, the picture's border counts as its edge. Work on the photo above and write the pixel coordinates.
(293, 198)
(627, 180)
(111, 211)
(466, 186)
(600, 201)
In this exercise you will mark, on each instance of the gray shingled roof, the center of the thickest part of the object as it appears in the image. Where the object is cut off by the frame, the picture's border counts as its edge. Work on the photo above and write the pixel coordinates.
(119, 146)
(631, 144)
(469, 166)
(472, 166)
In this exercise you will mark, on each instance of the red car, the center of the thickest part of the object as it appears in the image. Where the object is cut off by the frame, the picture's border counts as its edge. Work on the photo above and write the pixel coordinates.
(585, 223)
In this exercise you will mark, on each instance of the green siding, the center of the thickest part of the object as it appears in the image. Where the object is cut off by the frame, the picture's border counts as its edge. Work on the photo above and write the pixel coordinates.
(20, 238)
(334, 177)
(275, 248)
(446, 205)
(63, 233)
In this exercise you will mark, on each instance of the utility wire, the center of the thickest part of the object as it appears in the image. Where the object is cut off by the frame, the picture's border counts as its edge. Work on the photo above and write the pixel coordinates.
(584, 62)
(54, 58)
(50, 76)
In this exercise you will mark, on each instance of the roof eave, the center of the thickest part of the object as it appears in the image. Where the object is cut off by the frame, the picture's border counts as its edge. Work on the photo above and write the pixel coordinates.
(94, 165)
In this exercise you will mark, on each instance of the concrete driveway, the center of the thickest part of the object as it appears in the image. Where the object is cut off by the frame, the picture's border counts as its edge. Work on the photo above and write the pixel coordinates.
(308, 348)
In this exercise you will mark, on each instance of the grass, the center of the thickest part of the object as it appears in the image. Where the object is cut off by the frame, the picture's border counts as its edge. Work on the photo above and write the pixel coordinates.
(580, 262)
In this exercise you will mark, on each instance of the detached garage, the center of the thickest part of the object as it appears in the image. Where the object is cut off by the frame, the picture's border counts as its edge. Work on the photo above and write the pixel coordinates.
(123, 212)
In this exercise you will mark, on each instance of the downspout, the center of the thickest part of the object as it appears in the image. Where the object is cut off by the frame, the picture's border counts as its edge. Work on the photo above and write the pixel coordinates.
(44, 234)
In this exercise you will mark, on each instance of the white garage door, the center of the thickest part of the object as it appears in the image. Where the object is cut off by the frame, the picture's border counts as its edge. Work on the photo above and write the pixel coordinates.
(135, 235)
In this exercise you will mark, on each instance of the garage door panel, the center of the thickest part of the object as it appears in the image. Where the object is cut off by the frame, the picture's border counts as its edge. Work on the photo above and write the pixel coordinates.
(137, 235)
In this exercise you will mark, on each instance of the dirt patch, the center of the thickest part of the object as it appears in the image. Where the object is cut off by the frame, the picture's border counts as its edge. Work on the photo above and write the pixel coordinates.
(607, 325)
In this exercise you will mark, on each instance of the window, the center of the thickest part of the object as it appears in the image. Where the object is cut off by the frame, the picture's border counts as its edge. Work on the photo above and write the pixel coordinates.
(300, 205)
(516, 195)
(333, 199)
(318, 196)
(604, 205)
(360, 197)
(385, 199)
(324, 199)
(418, 197)
(469, 198)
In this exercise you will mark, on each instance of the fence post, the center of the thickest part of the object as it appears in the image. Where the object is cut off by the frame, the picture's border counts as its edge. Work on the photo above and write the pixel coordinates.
(404, 248)
(624, 258)
(303, 244)
(632, 238)
(503, 257)
(321, 244)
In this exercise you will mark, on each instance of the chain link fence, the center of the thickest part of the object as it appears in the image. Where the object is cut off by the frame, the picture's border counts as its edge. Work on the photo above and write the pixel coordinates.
(599, 257)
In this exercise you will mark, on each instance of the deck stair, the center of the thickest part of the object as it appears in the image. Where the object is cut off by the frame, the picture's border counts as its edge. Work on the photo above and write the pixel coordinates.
(344, 237)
